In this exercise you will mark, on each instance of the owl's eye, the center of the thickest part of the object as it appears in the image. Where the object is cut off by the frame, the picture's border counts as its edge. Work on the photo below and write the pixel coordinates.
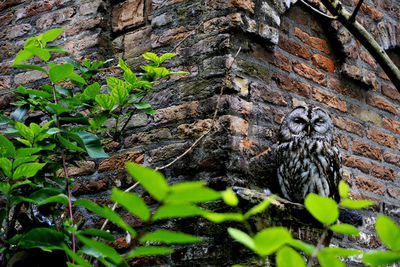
(319, 121)
(299, 120)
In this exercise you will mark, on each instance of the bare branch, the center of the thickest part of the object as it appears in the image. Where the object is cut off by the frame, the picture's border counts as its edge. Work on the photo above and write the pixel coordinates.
(353, 16)
(317, 11)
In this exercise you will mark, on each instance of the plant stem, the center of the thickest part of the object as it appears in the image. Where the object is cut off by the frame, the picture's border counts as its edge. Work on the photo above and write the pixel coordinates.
(71, 216)
(318, 247)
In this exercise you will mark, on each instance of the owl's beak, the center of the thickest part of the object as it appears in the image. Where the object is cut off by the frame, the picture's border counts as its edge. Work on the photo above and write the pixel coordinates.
(308, 129)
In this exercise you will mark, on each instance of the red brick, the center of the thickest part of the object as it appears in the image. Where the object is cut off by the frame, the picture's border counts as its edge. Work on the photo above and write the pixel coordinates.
(391, 125)
(351, 52)
(391, 158)
(276, 59)
(391, 92)
(243, 4)
(234, 124)
(368, 10)
(366, 150)
(348, 125)
(129, 14)
(292, 85)
(339, 87)
(353, 162)
(117, 162)
(169, 36)
(6, 19)
(34, 9)
(341, 141)
(381, 138)
(309, 73)
(314, 42)
(369, 185)
(379, 172)
(293, 48)
(366, 57)
(323, 63)
(380, 103)
(374, 207)
(90, 187)
(267, 94)
(329, 100)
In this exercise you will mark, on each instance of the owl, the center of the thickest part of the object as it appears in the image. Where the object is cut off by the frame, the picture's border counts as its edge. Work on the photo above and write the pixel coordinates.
(308, 161)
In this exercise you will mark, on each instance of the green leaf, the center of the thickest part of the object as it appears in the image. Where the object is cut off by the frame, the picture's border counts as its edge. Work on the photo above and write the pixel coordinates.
(222, 217)
(3, 214)
(177, 211)
(40, 52)
(5, 165)
(355, 204)
(20, 160)
(68, 144)
(344, 229)
(341, 252)
(288, 257)
(321, 208)
(300, 245)
(328, 260)
(7, 149)
(105, 250)
(151, 180)
(132, 203)
(21, 56)
(20, 112)
(166, 56)
(260, 207)
(99, 233)
(271, 239)
(105, 212)
(161, 72)
(49, 35)
(343, 189)
(17, 184)
(152, 57)
(379, 258)
(27, 170)
(24, 131)
(105, 101)
(169, 237)
(91, 91)
(23, 152)
(92, 145)
(57, 49)
(43, 194)
(60, 72)
(149, 251)
(230, 198)
(60, 198)
(142, 105)
(119, 95)
(388, 232)
(77, 78)
(29, 67)
(192, 195)
(242, 237)
(75, 257)
(39, 93)
(44, 238)
(56, 108)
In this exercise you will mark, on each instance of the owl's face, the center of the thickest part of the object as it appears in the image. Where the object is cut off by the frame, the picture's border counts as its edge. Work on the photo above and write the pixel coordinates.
(307, 121)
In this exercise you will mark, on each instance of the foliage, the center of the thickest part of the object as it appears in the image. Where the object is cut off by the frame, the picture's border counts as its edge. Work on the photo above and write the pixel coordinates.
(70, 113)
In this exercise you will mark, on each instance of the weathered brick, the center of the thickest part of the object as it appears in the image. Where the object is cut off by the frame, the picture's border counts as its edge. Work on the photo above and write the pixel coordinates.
(357, 196)
(351, 71)
(157, 4)
(129, 14)
(276, 59)
(29, 76)
(9, 3)
(240, 85)
(243, 4)
(237, 104)
(5, 67)
(390, 91)
(369, 185)
(6, 100)
(176, 112)
(137, 42)
(117, 162)
(381, 138)
(5, 51)
(366, 115)
(169, 36)
(167, 152)
(5, 83)
(33, 9)
(351, 52)
(146, 138)
(19, 30)
(345, 37)
(88, 42)
(348, 125)
(293, 48)
(366, 57)
(380, 172)
(380, 103)
(341, 89)
(90, 7)
(314, 42)
(308, 72)
(341, 141)
(81, 26)
(323, 63)
(166, 18)
(81, 168)
(369, 78)
(328, 99)
(291, 85)
(234, 124)
(196, 128)
(366, 150)
(353, 162)
(56, 17)
(90, 187)
(265, 93)
(368, 10)
(394, 193)
(391, 125)
(6, 19)
(391, 158)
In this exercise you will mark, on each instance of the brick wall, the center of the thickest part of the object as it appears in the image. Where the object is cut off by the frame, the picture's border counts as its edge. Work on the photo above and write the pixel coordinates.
(288, 57)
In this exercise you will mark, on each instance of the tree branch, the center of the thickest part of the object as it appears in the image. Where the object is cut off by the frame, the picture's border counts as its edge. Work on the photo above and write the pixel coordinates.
(317, 11)
(366, 39)
(353, 16)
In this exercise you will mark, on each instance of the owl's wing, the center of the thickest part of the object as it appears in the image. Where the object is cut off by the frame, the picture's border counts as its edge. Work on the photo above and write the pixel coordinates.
(334, 173)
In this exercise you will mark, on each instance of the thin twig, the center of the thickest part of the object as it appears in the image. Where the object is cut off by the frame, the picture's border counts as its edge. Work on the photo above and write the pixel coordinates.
(318, 11)
(318, 247)
(353, 16)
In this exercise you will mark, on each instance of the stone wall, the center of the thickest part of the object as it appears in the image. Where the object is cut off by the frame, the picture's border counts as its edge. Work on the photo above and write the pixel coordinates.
(289, 56)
